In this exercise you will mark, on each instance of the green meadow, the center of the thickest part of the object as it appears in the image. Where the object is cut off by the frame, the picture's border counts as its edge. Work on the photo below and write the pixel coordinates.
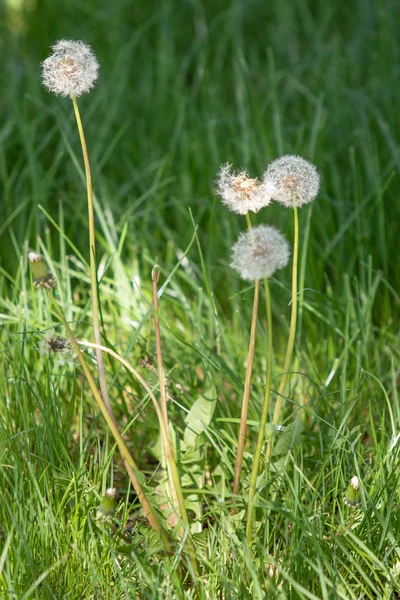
(185, 87)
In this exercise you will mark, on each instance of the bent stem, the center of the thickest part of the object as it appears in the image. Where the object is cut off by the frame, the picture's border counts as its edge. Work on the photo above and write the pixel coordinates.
(246, 393)
(169, 456)
(174, 479)
(292, 333)
(92, 257)
(129, 462)
(263, 420)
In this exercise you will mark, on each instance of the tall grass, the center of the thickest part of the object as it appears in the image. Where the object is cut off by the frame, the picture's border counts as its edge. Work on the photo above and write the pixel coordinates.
(180, 92)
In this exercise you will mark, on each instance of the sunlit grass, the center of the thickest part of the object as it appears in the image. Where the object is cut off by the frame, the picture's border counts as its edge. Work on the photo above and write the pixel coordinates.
(181, 92)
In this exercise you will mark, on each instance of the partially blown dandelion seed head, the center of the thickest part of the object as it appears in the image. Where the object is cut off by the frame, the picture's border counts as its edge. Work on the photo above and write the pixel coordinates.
(239, 192)
(55, 344)
(259, 253)
(59, 346)
(292, 180)
(71, 70)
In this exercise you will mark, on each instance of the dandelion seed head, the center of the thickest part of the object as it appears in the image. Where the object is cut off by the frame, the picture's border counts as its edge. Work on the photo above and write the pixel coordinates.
(292, 180)
(259, 253)
(239, 192)
(71, 70)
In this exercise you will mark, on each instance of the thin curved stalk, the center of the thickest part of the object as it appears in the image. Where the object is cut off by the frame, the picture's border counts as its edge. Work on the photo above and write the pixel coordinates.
(92, 262)
(129, 462)
(247, 385)
(263, 420)
(155, 275)
(172, 466)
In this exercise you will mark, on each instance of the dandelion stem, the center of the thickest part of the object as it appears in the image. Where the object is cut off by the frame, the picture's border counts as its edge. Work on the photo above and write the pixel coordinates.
(248, 221)
(172, 466)
(247, 385)
(246, 393)
(129, 462)
(292, 330)
(155, 275)
(263, 420)
(178, 500)
(92, 253)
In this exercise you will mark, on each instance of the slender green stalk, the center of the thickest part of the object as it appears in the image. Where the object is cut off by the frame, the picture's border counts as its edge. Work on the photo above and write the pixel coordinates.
(246, 393)
(130, 463)
(263, 420)
(247, 385)
(173, 469)
(248, 221)
(174, 476)
(155, 275)
(92, 253)
(292, 330)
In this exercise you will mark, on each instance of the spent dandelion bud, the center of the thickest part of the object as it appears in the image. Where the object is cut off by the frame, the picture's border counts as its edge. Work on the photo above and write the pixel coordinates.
(41, 274)
(239, 192)
(292, 181)
(56, 344)
(107, 505)
(259, 253)
(71, 70)
(60, 346)
(352, 497)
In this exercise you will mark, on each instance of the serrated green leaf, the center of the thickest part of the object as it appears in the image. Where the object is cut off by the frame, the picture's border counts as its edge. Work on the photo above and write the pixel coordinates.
(200, 416)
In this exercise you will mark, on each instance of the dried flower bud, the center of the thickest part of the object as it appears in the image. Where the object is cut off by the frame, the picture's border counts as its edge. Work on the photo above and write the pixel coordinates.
(292, 181)
(352, 497)
(71, 70)
(239, 192)
(42, 276)
(259, 253)
(57, 344)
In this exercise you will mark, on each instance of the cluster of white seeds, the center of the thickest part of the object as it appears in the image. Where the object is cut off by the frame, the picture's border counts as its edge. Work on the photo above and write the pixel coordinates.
(290, 180)
(239, 192)
(71, 70)
(259, 253)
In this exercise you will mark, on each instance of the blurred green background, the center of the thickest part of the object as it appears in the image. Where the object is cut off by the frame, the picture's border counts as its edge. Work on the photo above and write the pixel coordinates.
(187, 85)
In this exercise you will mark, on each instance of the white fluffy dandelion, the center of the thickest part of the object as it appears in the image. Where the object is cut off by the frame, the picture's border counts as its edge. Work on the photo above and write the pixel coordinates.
(71, 70)
(239, 192)
(259, 253)
(292, 180)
